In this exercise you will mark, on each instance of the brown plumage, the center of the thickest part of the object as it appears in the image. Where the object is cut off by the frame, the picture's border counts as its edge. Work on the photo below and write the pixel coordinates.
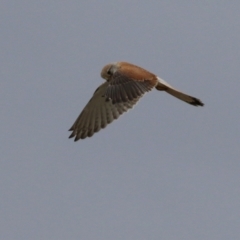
(125, 85)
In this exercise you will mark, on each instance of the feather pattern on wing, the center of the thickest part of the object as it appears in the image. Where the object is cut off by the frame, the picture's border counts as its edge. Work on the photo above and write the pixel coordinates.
(122, 88)
(98, 113)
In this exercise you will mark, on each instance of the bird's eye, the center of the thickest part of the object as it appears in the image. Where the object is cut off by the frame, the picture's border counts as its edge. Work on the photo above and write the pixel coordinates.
(109, 71)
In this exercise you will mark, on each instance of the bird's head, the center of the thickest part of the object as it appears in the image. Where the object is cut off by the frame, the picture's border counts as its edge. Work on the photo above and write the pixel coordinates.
(108, 71)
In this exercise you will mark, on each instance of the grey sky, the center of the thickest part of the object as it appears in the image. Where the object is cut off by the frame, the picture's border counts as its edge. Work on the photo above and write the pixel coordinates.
(164, 170)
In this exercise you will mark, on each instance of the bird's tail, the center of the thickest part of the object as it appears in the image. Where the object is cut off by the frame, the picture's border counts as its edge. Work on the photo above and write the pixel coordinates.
(164, 86)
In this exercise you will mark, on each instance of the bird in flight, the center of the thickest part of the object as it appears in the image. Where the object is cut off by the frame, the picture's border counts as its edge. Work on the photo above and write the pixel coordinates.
(125, 85)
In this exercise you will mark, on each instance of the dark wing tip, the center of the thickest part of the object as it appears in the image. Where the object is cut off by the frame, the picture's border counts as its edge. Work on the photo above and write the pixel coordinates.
(72, 135)
(76, 136)
(76, 139)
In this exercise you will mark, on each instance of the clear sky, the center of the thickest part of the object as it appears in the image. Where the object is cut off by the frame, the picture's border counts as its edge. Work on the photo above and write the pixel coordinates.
(166, 169)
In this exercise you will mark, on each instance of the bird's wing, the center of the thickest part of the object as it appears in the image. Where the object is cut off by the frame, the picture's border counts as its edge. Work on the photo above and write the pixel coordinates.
(124, 86)
(164, 86)
(98, 112)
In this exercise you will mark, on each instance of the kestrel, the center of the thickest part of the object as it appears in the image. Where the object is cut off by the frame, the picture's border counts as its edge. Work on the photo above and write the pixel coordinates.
(125, 85)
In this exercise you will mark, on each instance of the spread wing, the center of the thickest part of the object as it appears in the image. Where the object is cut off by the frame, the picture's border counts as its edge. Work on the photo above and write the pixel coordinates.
(99, 112)
(124, 87)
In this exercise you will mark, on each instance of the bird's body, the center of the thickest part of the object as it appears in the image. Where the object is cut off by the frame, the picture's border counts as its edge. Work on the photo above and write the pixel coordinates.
(125, 85)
